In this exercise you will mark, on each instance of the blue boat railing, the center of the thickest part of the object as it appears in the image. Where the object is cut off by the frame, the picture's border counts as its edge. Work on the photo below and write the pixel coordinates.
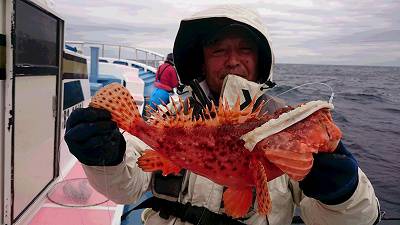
(145, 61)
(141, 55)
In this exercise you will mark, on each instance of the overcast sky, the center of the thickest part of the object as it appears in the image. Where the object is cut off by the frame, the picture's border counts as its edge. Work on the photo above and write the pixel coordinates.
(347, 32)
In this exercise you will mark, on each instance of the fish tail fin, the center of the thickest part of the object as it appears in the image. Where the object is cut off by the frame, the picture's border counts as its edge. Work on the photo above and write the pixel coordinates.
(260, 178)
(237, 202)
(152, 161)
(117, 100)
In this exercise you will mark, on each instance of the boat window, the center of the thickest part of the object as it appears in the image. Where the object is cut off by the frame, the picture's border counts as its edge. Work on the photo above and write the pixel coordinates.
(73, 94)
(120, 63)
(103, 60)
(36, 37)
(71, 48)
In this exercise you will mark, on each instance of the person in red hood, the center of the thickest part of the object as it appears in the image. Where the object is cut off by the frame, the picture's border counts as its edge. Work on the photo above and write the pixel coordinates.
(166, 81)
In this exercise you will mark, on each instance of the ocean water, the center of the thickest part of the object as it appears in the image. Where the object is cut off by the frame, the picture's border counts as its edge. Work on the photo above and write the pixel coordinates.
(367, 109)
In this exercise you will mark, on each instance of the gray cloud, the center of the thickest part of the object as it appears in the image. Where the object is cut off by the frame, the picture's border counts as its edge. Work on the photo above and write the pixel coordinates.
(381, 36)
(302, 31)
(114, 28)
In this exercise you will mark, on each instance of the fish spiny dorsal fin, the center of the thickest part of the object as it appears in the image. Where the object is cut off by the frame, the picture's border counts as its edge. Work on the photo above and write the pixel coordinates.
(164, 104)
(175, 107)
(210, 120)
(227, 107)
(249, 109)
(181, 109)
(220, 107)
(178, 121)
(148, 114)
(167, 110)
(172, 115)
(227, 114)
(187, 103)
(237, 113)
(214, 113)
(206, 113)
(178, 118)
(188, 107)
(159, 117)
(223, 110)
(182, 104)
(195, 120)
(189, 111)
(208, 116)
(172, 119)
(116, 99)
(236, 106)
(249, 112)
(148, 110)
(184, 120)
(188, 119)
(201, 121)
(176, 115)
(155, 119)
(257, 111)
(151, 114)
(160, 111)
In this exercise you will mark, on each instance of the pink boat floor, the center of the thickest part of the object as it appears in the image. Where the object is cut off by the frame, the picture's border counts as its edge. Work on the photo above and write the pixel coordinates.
(55, 214)
(72, 216)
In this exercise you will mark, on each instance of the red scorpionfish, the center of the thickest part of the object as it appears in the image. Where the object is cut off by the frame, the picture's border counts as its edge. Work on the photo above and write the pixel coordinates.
(212, 146)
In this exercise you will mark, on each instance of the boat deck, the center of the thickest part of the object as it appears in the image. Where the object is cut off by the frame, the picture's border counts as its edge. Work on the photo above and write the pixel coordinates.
(52, 213)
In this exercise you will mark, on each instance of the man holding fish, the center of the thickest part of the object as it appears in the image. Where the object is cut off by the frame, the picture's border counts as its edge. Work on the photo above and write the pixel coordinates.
(209, 46)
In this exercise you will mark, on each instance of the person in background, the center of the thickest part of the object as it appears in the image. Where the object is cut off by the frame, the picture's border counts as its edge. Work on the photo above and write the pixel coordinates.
(211, 44)
(166, 80)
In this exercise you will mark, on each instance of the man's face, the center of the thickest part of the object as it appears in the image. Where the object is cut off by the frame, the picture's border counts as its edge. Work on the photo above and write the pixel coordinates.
(231, 53)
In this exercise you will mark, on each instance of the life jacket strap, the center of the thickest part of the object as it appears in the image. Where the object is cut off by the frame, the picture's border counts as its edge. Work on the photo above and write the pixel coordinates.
(185, 212)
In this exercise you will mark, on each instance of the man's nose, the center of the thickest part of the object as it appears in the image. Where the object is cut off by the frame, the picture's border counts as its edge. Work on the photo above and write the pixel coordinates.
(233, 59)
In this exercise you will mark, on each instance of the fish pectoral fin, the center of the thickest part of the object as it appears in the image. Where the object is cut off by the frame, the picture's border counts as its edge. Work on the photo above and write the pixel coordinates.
(260, 178)
(237, 201)
(152, 161)
(295, 164)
